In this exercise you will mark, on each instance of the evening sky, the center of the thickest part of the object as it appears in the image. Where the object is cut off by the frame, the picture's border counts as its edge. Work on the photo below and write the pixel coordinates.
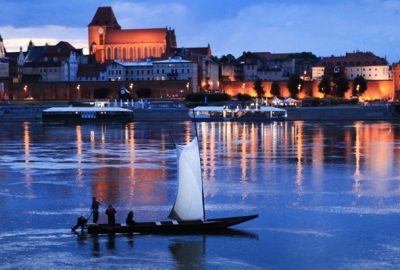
(323, 27)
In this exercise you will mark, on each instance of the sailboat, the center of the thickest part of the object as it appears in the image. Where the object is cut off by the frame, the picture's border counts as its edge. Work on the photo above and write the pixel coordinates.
(188, 212)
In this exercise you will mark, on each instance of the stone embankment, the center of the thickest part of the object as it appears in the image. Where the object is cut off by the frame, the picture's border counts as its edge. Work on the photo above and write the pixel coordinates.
(376, 112)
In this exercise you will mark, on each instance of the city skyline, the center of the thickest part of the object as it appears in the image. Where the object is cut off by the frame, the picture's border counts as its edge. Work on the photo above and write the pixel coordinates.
(230, 27)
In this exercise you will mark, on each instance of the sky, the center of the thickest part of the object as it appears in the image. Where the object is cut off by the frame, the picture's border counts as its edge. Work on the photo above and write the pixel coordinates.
(323, 27)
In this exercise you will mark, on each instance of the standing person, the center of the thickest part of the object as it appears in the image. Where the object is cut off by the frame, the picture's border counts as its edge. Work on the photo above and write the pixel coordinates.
(129, 219)
(95, 209)
(111, 215)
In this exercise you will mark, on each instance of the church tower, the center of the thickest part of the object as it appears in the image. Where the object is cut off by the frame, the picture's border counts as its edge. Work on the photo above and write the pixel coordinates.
(2, 50)
(103, 20)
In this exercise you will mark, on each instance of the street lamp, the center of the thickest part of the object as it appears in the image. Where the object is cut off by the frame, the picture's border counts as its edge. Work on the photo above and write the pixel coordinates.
(78, 88)
(187, 87)
(299, 87)
(25, 89)
(243, 85)
(358, 91)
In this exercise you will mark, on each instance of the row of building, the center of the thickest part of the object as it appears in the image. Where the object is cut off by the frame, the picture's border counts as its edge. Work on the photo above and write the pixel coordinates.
(153, 55)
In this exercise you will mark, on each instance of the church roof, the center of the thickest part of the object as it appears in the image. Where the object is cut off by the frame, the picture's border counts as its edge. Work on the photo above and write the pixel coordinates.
(105, 17)
(201, 50)
(151, 35)
(35, 53)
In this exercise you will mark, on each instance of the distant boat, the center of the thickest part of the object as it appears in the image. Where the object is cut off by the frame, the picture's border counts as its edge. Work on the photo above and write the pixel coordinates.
(188, 213)
(80, 115)
(222, 113)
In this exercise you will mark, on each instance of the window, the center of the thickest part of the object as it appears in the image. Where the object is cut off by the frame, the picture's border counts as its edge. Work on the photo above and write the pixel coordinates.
(183, 70)
(188, 70)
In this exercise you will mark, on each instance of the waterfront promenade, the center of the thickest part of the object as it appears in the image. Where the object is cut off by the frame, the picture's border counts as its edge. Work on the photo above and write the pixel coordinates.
(381, 111)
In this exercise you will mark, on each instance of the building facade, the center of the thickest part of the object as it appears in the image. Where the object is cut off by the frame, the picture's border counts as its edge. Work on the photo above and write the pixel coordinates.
(171, 69)
(366, 64)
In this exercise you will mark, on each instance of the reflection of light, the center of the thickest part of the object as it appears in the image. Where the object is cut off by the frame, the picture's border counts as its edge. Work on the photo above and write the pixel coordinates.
(297, 139)
(357, 146)
(79, 143)
(26, 141)
(28, 177)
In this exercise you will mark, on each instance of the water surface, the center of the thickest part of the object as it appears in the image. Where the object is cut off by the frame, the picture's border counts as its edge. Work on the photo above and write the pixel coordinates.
(327, 194)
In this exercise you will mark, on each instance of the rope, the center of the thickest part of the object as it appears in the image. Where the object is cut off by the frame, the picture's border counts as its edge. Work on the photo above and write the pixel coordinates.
(140, 182)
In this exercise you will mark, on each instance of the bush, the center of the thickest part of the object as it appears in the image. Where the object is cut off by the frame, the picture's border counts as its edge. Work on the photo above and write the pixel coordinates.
(76, 102)
(243, 97)
(194, 97)
(143, 93)
(328, 101)
(199, 97)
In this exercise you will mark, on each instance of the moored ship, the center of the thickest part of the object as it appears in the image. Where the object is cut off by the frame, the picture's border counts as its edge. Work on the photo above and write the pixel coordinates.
(80, 115)
(222, 113)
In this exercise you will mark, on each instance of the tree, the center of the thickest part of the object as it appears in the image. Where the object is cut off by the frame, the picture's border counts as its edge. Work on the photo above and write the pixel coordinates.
(294, 84)
(342, 86)
(359, 85)
(275, 89)
(325, 86)
(302, 55)
(258, 88)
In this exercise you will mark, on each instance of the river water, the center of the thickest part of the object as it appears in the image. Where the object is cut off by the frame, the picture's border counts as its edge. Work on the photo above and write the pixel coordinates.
(328, 195)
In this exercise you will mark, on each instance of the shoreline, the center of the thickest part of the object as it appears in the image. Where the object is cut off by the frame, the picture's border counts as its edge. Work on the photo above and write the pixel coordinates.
(32, 113)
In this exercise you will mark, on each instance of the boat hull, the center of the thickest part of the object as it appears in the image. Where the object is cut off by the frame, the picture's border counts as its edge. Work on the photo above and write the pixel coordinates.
(82, 115)
(165, 227)
(77, 121)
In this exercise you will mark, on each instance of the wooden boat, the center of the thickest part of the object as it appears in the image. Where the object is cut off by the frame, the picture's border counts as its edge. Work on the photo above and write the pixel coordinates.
(223, 113)
(170, 226)
(188, 213)
(80, 115)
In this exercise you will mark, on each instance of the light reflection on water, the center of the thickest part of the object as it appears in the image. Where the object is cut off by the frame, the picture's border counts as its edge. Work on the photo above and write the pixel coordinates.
(327, 194)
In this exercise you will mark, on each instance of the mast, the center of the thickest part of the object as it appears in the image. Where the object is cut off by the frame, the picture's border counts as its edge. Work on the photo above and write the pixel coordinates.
(202, 184)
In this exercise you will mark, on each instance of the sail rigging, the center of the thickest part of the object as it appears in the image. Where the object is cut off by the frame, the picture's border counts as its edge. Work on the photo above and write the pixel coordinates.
(189, 200)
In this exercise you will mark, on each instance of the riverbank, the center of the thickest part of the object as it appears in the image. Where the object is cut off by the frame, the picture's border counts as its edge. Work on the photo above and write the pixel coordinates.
(378, 112)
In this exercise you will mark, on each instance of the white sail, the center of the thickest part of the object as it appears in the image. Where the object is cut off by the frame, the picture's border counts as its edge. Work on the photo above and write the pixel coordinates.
(189, 200)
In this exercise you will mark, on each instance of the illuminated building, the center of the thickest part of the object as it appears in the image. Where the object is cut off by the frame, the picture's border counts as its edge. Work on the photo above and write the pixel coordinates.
(108, 42)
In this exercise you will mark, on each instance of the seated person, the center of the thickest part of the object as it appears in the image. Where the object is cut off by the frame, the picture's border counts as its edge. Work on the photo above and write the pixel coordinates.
(129, 219)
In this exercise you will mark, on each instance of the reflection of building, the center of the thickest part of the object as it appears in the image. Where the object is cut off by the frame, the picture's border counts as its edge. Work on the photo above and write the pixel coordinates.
(351, 65)
(108, 42)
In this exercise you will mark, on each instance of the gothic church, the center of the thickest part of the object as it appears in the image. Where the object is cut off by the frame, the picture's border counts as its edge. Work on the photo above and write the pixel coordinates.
(108, 42)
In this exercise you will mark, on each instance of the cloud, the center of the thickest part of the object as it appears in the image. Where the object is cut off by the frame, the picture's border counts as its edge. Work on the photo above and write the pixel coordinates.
(14, 38)
(324, 28)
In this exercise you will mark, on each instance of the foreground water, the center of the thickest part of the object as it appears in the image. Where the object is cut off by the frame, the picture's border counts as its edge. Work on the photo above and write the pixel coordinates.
(328, 195)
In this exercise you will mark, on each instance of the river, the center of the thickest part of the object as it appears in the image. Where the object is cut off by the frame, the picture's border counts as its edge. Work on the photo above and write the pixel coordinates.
(327, 194)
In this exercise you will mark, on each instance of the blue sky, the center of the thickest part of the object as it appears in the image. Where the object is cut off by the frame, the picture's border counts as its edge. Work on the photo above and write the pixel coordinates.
(324, 28)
